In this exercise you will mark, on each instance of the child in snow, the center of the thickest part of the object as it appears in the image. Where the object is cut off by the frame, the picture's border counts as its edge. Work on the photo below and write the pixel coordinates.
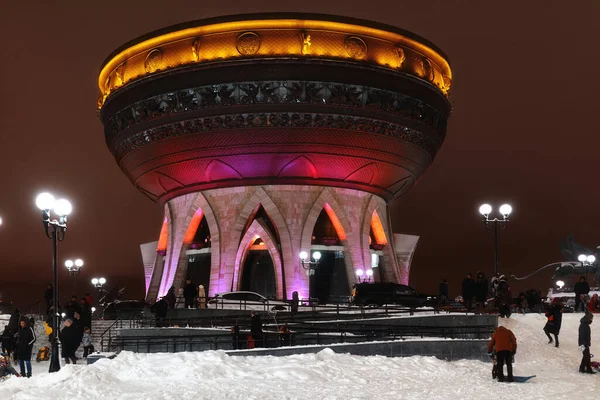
(86, 341)
(5, 368)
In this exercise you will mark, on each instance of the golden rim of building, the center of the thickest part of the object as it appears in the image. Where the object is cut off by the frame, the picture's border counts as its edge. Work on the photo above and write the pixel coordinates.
(271, 36)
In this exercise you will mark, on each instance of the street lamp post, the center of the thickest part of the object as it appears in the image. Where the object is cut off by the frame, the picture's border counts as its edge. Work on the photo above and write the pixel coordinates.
(308, 264)
(587, 260)
(98, 283)
(495, 224)
(62, 207)
(360, 273)
(74, 268)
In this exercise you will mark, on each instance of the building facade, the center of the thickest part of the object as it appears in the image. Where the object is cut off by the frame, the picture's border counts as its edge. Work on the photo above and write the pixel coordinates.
(265, 136)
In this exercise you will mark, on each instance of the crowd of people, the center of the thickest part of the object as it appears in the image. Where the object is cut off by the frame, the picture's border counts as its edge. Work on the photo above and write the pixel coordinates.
(17, 339)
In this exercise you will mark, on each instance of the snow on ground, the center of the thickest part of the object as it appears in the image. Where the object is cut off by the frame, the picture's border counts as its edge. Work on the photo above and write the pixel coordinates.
(325, 375)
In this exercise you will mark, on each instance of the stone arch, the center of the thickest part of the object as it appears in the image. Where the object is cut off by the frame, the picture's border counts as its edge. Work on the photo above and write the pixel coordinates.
(200, 205)
(377, 207)
(257, 229)
(157, 269)
(260, 196)
(327, 201)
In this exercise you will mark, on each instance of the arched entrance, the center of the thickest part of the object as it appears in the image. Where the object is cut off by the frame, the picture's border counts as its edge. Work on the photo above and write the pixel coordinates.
(258, 271)
(329, 281)
(199, 253)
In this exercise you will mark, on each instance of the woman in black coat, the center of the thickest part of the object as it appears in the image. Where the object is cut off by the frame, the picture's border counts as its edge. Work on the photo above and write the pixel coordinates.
(554, 316)
(70, 339)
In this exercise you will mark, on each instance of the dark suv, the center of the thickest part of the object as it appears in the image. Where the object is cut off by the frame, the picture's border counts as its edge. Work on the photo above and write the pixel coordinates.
(366, 294)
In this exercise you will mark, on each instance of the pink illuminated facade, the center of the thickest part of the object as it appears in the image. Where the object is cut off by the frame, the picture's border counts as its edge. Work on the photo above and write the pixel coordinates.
(267, 136)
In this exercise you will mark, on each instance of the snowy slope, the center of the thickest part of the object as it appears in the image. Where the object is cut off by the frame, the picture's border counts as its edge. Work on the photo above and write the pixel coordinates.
(326, 375)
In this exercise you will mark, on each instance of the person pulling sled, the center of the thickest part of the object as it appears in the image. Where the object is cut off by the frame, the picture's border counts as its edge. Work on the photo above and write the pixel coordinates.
(504, 344)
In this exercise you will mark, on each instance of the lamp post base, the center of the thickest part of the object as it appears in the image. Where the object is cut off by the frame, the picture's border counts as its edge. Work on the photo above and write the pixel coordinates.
(55, 355)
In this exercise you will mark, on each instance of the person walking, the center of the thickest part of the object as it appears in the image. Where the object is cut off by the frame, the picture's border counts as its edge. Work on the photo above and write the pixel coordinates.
(585, 341)
(26, 339)
(70, 339)
(189, 293)
(256, 329)
(554, 315)
(86, 341)
(504, 343)
(481, 291)
(295, 303)
(581, 288)
(468, 291)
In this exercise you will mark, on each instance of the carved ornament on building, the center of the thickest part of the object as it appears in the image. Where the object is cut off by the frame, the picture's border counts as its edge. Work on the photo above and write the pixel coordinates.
(248, 43)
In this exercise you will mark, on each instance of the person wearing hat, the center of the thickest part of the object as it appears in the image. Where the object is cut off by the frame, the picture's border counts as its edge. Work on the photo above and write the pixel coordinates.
(585, 341)
(70, 339)
(5, 368)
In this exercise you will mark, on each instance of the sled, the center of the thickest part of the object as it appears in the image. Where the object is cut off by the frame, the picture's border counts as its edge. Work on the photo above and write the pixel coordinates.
(523, 379)
(43, 354)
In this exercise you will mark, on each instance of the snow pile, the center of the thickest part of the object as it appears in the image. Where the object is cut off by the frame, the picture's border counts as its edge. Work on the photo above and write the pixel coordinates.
(325, 375)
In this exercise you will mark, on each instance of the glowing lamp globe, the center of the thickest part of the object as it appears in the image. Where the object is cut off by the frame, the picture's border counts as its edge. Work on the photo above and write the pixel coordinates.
(95, 281)
(303, 255)
(44, 201)
(582, 258)
(102, 281)
(79, 262)
(62, 207)
(317, 255)
(560, 284)
(359, 272)
(591, 259)
(485, 209)
(369, 272)
(69, 263)
(505, 209)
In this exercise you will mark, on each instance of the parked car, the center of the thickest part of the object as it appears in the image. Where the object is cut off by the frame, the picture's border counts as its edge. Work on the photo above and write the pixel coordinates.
(246, 301)
(366, 294)
(126, 309)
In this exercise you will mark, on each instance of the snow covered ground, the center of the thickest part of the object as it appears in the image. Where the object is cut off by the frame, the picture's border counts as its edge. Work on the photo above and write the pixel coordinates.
(326, 375)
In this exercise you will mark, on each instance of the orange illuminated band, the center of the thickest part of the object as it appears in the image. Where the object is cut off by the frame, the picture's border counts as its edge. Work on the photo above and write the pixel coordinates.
(275, 38)
(337, 225)
(190, 233)
(377, 228)
(163, 238)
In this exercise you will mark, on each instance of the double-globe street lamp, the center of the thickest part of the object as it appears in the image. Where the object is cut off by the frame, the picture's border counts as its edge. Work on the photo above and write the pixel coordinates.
(495, 224)
(367, 278)
(55, 230)
(74, 268)
(98, 284)
(308, 264)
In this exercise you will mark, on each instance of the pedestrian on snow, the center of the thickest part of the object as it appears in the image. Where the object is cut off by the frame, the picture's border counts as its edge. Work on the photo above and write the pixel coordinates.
(189, 292)
(581, 288)
(5, 368)
(180, 300)
(48, 296)
(481, 291)
(468, 291)
(592, 305)
(256, 329)
(170, 298)
(25, 340)
(86, 341)
(202, 296)
(235, 337)
(504, 343)
(295, 303)
(585, 341)
(285, 335)
(86, 312)
(554, 315)
(503, 297)
(70, 339)
(7, 341)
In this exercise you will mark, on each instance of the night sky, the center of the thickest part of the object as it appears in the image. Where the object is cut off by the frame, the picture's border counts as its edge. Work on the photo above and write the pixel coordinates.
(522, 131)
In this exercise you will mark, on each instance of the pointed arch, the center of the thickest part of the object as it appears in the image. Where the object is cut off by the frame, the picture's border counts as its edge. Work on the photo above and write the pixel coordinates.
(258, 229)
(300, 166)
(376, 207)
(158, 268)
(259, 197)
(193, 226)
(327, 201)
(163, 237)
(378, 230)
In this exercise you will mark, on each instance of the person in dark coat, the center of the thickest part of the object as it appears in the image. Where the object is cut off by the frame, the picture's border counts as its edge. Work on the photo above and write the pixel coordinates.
(170, 297)
(25, 340)
(295, 302)
(7, 341)
(72, 307)
(481, 291)
(581, 288)
(13, 322)
(554, 315)
(189, 293)
(585, 341)
(70, 339)
(160, 311)
(468, 291)
(86, 312)
(235, 337)
(256, 329)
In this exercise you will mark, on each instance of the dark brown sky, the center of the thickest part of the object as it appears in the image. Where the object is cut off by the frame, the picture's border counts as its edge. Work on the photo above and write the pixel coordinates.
(523, 130)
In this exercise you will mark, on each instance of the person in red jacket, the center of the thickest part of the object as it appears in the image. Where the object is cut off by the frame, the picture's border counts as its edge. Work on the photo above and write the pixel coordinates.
(504, 343)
